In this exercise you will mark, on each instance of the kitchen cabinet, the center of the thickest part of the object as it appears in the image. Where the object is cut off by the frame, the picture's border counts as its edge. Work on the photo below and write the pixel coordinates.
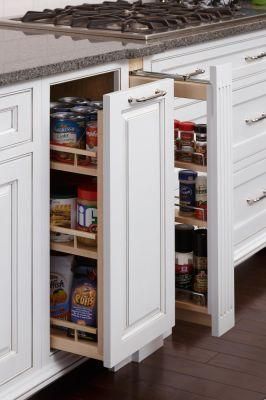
(136, 214)
(16, 267)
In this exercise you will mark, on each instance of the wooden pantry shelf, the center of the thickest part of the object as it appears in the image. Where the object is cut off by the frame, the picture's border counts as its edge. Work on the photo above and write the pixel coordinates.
(71, 325)
(73, 150)
(191, 166)
(189, 312)
(86, 348)
(73, 232)
(75, 248)
(75, 169)
(189, 220)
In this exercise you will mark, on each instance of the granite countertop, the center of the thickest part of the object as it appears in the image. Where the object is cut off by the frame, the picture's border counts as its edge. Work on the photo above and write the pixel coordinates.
(27, 55)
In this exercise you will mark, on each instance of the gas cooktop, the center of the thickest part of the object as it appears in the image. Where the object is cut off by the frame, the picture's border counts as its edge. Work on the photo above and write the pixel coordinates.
(137, 20)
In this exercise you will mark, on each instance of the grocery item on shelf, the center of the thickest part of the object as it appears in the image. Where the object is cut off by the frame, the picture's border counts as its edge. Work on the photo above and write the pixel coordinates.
(91, 136)
(201, 198)
(186, 133)
(67, 129)
(184, 256)
(200, 155)
(60, 285)
(63, 212)
(187, 188)
(177, 143)
(87, 212)
(200, 261)
(56, 107)
(75, 101)
(84, 296)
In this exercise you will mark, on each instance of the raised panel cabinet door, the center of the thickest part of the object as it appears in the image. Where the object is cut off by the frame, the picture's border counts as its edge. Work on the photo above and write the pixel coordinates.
(15, 268)
(138, 215)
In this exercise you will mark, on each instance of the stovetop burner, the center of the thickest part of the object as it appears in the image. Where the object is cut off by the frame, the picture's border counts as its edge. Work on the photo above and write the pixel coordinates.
(137, 20)
(137, 17)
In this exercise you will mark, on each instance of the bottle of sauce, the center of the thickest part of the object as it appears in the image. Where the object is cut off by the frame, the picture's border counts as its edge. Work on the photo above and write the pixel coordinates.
(184, 271)
(187, 191)
(200, 261)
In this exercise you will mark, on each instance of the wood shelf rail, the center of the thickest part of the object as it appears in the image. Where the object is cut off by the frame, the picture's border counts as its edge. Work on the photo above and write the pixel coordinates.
(76, 167)
(192, 166)
(73, 232)
(82, 347)
(187, 305)
(75, 248)
(189, 220)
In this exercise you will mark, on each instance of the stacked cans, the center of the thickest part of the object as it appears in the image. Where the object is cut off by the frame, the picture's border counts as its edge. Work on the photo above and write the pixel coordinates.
(74, 124)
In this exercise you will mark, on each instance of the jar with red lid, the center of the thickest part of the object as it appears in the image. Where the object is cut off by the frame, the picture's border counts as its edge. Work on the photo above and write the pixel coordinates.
(187, 143)
(87, 212)
(177, 143)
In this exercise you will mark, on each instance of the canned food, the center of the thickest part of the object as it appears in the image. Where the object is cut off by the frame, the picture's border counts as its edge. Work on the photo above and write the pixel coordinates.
(91, 140)
(83, 110)
(63, 213)
(67, 129)
(60, 107)
(97, 104)
(75, 101)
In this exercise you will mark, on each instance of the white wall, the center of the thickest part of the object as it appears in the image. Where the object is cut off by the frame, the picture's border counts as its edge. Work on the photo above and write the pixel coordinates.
(18, 7)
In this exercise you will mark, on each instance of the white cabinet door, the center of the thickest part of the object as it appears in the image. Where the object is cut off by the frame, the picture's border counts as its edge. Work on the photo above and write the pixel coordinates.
(139, 298)
(15, 268)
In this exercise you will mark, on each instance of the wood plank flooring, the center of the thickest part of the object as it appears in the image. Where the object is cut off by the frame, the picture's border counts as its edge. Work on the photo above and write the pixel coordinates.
(192, 365)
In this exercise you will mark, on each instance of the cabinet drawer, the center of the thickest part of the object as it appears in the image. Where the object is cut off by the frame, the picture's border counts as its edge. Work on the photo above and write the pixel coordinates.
(200, 57)
(15, 118)
(249, 217)
(249, 126)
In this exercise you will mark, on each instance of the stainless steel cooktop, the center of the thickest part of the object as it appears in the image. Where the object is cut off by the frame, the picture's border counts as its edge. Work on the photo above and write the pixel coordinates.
(143, 21)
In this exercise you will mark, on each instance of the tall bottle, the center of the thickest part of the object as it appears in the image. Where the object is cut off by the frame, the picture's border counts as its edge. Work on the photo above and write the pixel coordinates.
(200, 262)
(184, 271)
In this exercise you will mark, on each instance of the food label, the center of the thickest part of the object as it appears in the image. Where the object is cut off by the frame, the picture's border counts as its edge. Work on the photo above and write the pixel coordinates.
(184, 276)
(187, 197)
(91, 141)
(62, 213)
(201, 279)
(87, 218)
(83, 308)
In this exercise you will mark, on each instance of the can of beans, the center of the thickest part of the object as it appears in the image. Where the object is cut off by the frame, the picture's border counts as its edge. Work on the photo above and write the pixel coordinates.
(67, 129)
(91, 139)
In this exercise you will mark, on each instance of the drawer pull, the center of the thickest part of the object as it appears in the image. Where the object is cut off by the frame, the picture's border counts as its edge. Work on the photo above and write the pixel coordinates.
(254, 58)
(253, 120)
(253, 201)
(158, 93)
(194, 73)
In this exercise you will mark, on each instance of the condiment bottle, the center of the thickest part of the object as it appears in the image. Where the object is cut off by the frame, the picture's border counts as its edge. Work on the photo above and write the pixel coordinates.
(187, 185)
(200, 261)
(186, 131)
(201, 198)
(184, 271)
(177, 143)
(200, 155)
(87, 212)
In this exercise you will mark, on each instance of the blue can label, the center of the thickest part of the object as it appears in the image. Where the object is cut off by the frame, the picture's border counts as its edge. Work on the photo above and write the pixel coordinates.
(68, 133)
(83, 307)
(187, 197)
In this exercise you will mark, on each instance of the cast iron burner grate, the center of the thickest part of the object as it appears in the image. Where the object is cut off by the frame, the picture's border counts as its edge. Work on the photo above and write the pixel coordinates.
(137, 17)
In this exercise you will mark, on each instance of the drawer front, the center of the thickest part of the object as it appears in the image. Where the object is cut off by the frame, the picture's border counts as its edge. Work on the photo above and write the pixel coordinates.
(249, 202)
(201, 57)
(15, 118)
(249, 124)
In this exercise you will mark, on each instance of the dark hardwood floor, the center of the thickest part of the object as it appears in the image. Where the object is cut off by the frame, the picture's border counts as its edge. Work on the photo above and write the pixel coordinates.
(192, 365)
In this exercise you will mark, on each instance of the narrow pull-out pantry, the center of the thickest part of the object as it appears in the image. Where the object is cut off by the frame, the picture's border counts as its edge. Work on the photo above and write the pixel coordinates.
(76, 216)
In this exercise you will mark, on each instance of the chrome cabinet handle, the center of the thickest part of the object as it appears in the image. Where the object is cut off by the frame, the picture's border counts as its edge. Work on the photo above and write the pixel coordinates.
(158, 93)
(253, 201)
(254, 120)
(194, 73)
(254, 58)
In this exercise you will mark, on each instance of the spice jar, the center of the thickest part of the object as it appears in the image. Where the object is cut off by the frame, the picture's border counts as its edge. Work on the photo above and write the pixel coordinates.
(63, 212)
(87, 212)
(187, 185)
(186, 131)
(184, 272)
(177, 143)
(201, 198)
(200, 155)
(200, 261)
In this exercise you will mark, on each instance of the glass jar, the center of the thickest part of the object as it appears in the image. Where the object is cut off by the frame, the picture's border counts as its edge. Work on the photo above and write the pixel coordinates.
(200, 155)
